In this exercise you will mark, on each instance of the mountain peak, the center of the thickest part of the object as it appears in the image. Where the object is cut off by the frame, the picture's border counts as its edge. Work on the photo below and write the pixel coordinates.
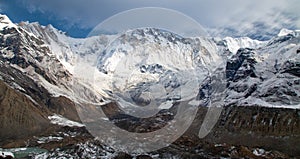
(5, 22)
(284, 32)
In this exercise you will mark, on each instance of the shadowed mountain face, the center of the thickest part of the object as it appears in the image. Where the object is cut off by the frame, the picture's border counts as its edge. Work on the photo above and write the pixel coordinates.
(24, 115)
(19, 115)
(25, 103)
(255, 126)
(38, 78)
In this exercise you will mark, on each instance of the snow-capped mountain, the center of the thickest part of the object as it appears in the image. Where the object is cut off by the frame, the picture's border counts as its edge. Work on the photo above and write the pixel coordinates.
(267, 76)
(66, 48)
(26, 65)
(156, 63)
(51, 58)
(234, 44)
(53, 72)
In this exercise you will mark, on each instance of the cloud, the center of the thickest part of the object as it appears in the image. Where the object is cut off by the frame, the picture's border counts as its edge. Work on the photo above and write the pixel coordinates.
(148, 17)
(211, 12)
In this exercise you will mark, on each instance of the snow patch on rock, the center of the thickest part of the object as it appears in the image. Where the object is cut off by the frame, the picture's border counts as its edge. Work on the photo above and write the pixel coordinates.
(60, 120)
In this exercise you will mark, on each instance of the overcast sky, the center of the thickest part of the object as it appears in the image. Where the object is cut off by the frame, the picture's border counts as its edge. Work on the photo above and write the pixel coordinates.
(78, 17)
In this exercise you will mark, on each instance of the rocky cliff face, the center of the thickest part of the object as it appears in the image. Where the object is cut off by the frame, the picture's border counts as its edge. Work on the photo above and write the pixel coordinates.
(255, 126)
(266, 76)
(20, 117)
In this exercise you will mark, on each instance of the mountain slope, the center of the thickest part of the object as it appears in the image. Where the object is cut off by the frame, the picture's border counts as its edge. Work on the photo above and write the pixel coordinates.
(267, 76)
(19, 116)
(265, 54)
(31, 76)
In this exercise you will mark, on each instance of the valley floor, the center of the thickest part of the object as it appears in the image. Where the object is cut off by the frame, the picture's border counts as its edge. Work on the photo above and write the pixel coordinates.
(241, 132)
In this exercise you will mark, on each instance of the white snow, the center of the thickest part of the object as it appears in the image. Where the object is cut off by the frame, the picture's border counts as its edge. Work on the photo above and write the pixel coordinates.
(8, 54)
(284, 32)
(60, 120)
(258, 152)
(4, 154)
(49, 139)
(166, 105)
(234, 44)
(5, 22)
(18, 87)
(103, 118)
(250, 101)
